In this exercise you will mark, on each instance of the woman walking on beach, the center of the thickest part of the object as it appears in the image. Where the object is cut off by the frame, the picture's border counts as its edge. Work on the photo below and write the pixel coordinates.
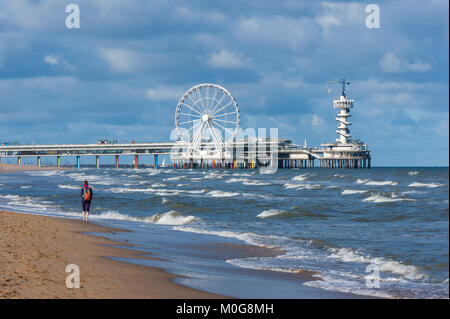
(86, 197)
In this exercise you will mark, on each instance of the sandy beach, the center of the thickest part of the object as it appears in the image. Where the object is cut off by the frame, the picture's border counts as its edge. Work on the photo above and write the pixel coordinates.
(35, 251)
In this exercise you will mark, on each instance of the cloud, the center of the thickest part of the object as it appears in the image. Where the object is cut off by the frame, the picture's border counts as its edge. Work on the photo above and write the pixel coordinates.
(51, 59)
(316, 121)
(121, 60)
(226, 59)
(390, 63)
(165, 93)
(282, 31)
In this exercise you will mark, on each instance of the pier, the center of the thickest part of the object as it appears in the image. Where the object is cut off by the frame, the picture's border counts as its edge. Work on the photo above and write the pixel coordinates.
(202, 113)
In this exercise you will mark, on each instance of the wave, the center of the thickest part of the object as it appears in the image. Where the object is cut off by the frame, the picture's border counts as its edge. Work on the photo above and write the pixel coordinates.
(302, 186)
(256, 183)
(172, 218)
(378, 198)
(353, 191)
(270, 213)
(169, 218)
(218, 193)
(237, 180)
(361, 181)
(301, 177)
(249, 238)
(381, 183)
(69, 187)
(381, 264)
(429, 185)
(413, 173)
(25, 187)
(43, 173)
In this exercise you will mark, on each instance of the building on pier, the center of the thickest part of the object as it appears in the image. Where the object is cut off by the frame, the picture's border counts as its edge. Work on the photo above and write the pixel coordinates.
(205, 141)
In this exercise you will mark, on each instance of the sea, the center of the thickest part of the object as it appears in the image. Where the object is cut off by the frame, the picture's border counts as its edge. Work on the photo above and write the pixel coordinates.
(331, 233)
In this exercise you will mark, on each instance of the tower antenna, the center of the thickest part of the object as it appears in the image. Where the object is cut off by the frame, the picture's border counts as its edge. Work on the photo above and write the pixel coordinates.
(343, 82)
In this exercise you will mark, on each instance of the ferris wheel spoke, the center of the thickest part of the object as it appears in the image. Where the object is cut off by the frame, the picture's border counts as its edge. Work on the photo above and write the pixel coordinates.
(207, 98)
(223, 107)
(212, 100)
(224, 121)
(217, 139)
(200, 109)
(185, 122)
(193, 126)
(225, 114)
(225, 128)
(193, 115)
(200, 98)
(218, 103)
(190, 107)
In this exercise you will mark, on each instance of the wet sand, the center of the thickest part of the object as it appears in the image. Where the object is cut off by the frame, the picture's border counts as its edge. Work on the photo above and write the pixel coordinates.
(35, 251)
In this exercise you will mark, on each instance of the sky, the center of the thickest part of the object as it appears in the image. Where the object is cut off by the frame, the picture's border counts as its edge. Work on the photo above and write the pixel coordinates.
(121, 74)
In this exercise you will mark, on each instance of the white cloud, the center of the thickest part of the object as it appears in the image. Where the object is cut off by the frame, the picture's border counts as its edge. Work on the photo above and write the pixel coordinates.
(280, 31)
(51, 59)
(226, 59)
(316, 120)
(121, 60)
(390, 63)
(186, 15)
(165, 93)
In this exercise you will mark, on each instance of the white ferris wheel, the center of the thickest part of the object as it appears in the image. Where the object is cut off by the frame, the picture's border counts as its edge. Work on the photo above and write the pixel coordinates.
(207, 117)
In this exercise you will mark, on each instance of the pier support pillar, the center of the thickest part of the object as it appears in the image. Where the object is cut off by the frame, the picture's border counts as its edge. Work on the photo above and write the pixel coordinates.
(78, 162)
(97, 161)
(117, 161)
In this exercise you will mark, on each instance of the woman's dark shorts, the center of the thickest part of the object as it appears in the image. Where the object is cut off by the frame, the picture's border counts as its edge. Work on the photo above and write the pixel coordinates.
(86, 204)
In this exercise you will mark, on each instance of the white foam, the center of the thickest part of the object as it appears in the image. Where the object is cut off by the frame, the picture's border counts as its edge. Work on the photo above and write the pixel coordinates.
(300, 177)
(218, 193)
(43, 173)
(256, 183)
(381, 183)
(249, 238)
(347, 286)
(377, 198)
(361, 181)
(175, 178)
(270, 213)
(69, 186)
(25, 187)
(386, 265)
(353, 191)
(429, 185)
(301, 186)
(413, 173)
(170, 218)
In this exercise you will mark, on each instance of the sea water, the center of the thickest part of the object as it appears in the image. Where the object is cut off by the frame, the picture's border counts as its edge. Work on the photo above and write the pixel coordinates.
(343, 226)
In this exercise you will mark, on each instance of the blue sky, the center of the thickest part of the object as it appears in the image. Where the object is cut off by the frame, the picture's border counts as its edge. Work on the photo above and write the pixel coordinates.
(120, 74)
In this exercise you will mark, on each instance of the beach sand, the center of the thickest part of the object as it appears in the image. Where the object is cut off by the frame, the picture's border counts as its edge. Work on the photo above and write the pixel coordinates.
(35, 251)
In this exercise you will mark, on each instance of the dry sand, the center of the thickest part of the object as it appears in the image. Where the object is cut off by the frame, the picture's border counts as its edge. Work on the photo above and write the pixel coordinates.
(35, 250)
